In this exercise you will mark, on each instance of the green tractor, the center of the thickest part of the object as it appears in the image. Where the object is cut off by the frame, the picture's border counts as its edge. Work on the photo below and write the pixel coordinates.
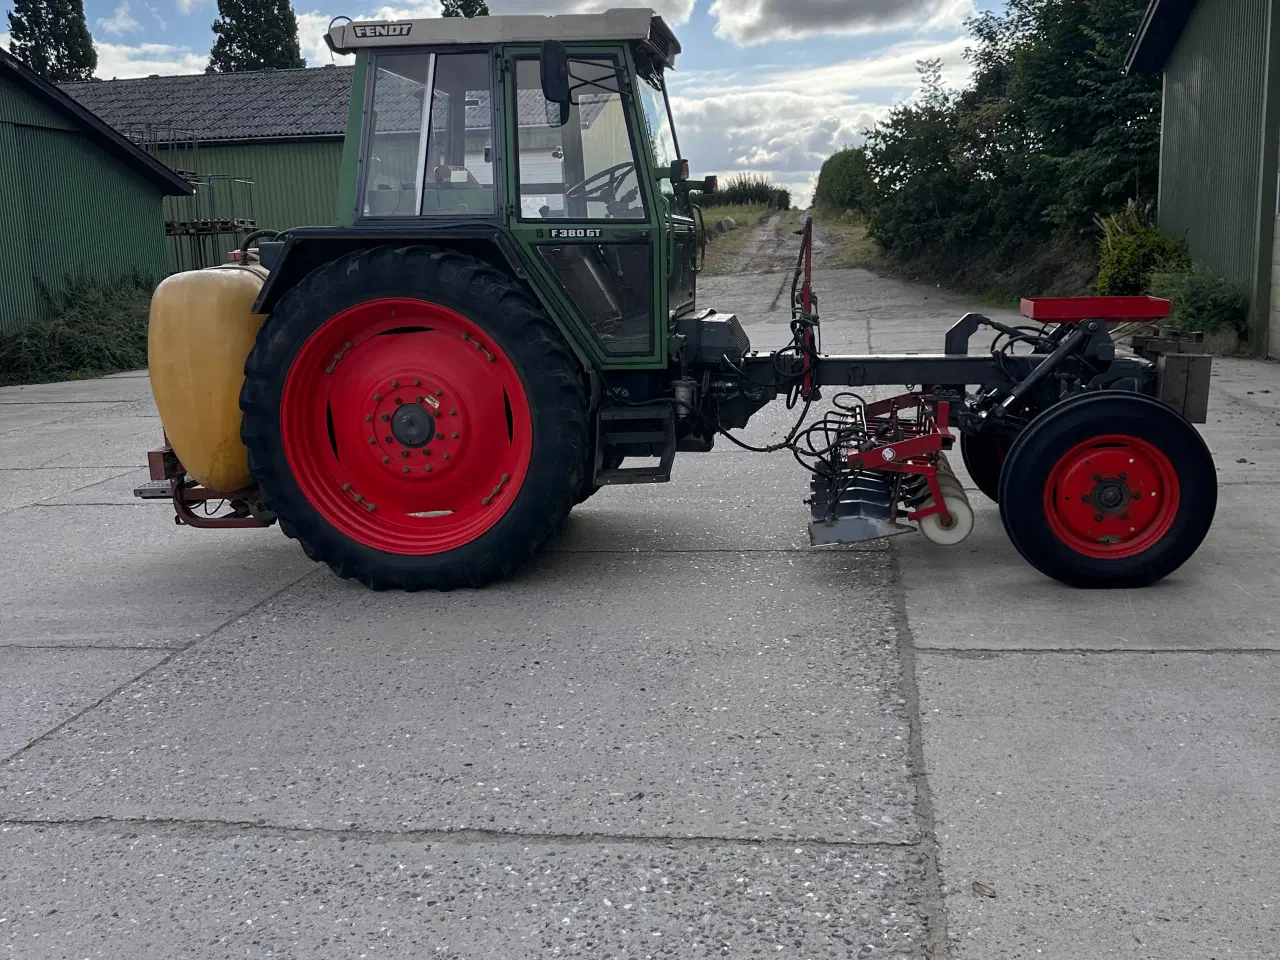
(506, 319)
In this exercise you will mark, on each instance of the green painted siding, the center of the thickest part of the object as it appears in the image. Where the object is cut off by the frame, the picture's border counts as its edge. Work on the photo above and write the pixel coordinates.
(1212, 147)
(295, 182)
(18, 106)
(72, 211)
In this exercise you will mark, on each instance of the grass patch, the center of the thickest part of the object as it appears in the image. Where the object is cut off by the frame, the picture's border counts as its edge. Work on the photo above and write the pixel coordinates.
(848, 244)
(723, 249)
(91, 330)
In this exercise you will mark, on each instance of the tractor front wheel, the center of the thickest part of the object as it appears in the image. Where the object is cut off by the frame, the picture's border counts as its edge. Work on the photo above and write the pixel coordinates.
(1110, 490)
(414, 419)
(984, 455)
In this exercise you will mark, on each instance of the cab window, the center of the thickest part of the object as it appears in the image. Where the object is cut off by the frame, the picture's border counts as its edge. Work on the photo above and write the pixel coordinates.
(662, 138)
(429, 151)
(585, 169)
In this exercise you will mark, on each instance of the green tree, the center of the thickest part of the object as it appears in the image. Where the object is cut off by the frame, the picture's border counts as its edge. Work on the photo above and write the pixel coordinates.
(845, 183)
(254, 35)
(464, 8)
(1049, 134)
(51, 38)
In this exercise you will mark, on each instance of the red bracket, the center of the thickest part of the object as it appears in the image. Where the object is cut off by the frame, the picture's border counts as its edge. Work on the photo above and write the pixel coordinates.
(1076, 309)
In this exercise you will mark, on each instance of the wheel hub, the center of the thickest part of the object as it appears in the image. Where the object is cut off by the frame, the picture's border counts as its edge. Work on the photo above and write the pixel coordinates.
(412, 426)
(1111, 495)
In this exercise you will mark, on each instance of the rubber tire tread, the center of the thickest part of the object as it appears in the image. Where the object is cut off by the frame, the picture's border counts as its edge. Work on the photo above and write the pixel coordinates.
(983, 462)
(1049, 437)
(554, 388)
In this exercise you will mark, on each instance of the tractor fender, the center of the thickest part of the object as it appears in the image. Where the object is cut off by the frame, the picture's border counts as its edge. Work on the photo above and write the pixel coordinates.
(306, 249)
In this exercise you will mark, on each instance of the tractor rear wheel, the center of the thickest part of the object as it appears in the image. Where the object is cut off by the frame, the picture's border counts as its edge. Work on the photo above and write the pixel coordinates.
(415, 419)
(1109, 490)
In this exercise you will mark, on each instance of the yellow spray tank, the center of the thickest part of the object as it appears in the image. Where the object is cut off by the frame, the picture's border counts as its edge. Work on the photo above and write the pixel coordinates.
(202, 329)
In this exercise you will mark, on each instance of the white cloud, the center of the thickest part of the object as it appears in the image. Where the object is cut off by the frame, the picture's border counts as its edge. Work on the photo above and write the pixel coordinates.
(784, 122)
(117, 61)
(186, 6)
(749, 22)
(155, 12)
(311, 30)
(120, 22)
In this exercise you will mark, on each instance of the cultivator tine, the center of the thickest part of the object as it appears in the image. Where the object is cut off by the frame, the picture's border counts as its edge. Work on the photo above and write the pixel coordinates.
(853, 509)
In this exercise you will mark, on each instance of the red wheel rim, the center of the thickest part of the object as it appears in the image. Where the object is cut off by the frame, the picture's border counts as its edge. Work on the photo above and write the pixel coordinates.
(1112, 497)
(406, 427)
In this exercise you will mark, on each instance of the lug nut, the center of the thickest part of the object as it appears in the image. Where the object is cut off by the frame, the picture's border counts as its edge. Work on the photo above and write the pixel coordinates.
(440, 436)
(439, 393)
(368, 417)
(417, 383)
(455, 434)
(386, 417)
(404, 453)
(428, 469)
(395, 384)
(386, 459)
(373, 439)
(453, 413)
(406, 469)
(418, 399)
(377, 396)
(447, 457)
(398, 401)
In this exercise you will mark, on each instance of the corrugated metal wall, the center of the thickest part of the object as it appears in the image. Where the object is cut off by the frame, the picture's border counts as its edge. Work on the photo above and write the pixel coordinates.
(295, 182)
(1211, 149)
(72, 211)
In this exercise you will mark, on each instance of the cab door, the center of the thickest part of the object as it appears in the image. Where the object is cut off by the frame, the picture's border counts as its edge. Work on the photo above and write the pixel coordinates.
(581, 204)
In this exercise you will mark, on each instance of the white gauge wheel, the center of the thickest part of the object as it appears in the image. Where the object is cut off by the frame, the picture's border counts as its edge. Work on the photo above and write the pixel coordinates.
(961, 522)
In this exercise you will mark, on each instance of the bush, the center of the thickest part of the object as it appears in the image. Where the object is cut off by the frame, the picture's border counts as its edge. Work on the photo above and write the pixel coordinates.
(747, 190)
(1131, 253)
(91, 330)
(1202, 302)
(845, 183)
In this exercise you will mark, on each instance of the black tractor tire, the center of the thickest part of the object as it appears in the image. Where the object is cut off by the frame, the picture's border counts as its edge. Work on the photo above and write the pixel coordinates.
(551, 377)
(1037, 478)
(589, 488)
(984, 455)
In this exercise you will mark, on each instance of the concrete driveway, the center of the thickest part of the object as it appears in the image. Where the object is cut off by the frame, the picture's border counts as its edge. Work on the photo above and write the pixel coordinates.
(679, 734)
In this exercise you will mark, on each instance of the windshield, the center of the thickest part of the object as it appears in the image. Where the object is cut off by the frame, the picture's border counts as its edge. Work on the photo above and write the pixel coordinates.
(658, 119)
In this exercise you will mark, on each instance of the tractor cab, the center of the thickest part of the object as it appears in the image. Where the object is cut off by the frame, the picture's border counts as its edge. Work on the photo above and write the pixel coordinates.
(554, 136)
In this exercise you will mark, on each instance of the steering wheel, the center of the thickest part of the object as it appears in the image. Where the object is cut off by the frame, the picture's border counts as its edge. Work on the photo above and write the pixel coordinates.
(606, 190)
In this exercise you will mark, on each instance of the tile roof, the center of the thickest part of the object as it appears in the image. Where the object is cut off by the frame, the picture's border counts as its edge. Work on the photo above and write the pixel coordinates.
(310, 102)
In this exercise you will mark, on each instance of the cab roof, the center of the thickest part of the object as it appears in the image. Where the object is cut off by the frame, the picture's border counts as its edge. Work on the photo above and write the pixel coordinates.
(635, 24)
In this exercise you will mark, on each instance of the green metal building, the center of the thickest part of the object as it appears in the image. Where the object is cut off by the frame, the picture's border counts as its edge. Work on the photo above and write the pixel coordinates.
(81, 202)
(280, 129)
(1220, 138)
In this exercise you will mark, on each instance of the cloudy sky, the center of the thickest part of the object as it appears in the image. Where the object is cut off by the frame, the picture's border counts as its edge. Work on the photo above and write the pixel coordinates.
(771, 86)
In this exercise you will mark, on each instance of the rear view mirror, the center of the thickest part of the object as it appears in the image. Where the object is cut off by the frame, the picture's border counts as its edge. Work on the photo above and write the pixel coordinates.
(555, 79)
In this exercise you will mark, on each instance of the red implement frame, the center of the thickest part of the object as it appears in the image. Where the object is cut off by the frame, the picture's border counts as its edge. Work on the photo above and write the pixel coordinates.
(924, 437)
(163, 465)
(809, 340)
(1075, 309)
